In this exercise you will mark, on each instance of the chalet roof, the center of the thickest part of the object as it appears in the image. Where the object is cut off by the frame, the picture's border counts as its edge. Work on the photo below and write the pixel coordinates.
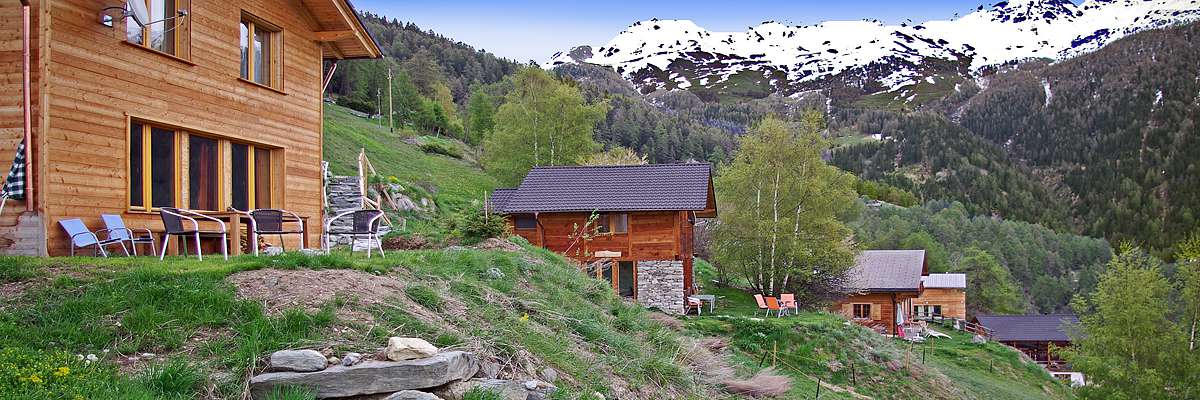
(888, 271)
(1038, 328)
(499, 198)
(946, 281)
(656, 187)
(340, 30)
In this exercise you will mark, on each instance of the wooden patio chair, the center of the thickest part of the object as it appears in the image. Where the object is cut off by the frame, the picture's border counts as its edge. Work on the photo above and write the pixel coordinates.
(365, 223)
(270, 221)
(762, 304)
(173, 219)
(82, 237)
(117, 230)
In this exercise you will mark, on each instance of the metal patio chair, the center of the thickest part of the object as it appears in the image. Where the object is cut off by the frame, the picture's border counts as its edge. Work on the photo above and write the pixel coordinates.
(173, 219)
(365, 222)
(117, 230)
(82, 237)
(269, 221)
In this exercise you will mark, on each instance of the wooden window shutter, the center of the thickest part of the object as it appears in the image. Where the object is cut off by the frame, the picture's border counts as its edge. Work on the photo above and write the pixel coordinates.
(876, 312)
(847, 310)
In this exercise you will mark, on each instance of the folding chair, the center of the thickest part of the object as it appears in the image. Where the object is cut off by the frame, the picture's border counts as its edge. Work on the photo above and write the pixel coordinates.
(81, 237)
(762, 304)
(693, 302)
(773, 304)
(173, 222)
(788, 301)
(117, 230)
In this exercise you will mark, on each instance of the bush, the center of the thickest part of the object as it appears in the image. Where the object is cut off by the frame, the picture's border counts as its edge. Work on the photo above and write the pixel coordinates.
(441, 146)
(473, 225)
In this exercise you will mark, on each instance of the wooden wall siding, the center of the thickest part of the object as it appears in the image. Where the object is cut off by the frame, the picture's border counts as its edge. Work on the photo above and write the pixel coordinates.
(20, 232)
(885, 302)
(953, 301)
(651, 236)
(96, 81)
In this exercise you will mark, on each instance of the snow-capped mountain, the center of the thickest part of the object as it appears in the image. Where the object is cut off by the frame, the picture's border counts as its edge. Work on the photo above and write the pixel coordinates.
(868, 55)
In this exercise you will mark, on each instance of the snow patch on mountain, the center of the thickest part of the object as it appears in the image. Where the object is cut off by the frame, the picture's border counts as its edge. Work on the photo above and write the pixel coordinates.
(890, 56)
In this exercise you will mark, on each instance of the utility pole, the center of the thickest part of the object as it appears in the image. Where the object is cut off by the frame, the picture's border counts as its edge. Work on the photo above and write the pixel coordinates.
(379, 104)
(391, 113)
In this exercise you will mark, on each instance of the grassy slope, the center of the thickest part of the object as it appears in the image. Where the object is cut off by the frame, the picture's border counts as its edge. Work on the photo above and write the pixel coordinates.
(456, 183)
(538, 308)
(809, 343)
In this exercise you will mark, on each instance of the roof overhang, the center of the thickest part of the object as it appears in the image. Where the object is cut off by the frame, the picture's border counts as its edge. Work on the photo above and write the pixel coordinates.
(339, 30)
(710, 209)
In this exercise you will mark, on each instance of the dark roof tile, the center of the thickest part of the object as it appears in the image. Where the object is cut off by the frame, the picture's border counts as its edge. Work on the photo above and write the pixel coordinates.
(657, 187)
(1030, 327)
(888, 270)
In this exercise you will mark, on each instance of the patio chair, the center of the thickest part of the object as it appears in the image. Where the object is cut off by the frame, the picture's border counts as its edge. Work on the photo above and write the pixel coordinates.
(269, 221)
(365, 222)
(117, 230)
(82, 237)
(762, 304)
(773, 304)
(173, 219)
(788, 301)
(693, 302)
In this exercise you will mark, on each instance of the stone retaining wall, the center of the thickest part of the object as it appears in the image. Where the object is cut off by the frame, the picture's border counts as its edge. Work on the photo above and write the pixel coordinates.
(660, 285)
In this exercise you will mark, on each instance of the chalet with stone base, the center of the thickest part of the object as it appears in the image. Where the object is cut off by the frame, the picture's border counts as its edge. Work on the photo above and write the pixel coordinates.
(882, 285)
(630, 225)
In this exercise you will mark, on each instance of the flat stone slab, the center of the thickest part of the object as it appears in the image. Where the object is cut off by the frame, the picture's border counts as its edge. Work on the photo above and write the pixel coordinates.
(371, 377)
(298, 360)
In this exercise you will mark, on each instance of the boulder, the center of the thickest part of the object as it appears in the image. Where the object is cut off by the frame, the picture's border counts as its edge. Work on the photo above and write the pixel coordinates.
(406, 348)
(371, 377)
(978, 339)
(298, 360)
(549, 374)
(351, 359)
(488, 369)
(412, 395)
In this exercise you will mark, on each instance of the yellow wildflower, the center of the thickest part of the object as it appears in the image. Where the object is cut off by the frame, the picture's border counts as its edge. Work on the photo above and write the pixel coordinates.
(62, 371)
(525, 318)
(35, 379)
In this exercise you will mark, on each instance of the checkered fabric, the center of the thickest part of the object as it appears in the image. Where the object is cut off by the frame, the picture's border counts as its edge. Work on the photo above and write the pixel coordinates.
(14, 184)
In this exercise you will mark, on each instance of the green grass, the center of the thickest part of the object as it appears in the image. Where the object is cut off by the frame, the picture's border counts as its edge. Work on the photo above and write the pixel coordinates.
(452, 183)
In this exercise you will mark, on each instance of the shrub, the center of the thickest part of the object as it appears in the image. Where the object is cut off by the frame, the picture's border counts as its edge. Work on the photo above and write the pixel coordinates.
(441, 146)
(473, 225)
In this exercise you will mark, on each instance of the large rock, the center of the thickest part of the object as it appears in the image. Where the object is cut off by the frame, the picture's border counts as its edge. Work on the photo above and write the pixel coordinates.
(412, 395)
(371, 377)
(406, 348)
(298, 360)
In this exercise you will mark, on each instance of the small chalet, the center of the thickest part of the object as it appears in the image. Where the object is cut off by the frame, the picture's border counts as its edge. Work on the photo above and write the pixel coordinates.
(944, 295)
(1033, 335)
(883, 284)
(631, 224)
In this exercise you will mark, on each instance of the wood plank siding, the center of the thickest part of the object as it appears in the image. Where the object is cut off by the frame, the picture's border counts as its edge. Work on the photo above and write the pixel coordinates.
(953, 302)
(94, 84)
(21, 233)
(883, 308)
(651, 235)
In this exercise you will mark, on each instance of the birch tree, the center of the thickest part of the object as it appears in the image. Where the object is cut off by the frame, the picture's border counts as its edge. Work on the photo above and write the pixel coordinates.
(780, 205)
(543, 121)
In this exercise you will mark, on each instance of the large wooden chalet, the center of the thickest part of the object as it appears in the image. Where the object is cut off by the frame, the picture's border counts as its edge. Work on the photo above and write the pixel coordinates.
(633, 223)
(217, 104)
(942, 295)
(883, 285)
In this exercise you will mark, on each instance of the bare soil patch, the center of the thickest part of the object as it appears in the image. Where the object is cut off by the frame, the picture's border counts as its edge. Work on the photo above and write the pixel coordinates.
(279, 290)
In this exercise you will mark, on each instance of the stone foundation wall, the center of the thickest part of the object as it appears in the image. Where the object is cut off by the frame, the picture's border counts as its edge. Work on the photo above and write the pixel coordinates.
(660, 285)
(343, 194)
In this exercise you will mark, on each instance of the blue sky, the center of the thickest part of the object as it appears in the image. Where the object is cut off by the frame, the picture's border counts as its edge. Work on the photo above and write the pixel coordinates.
(531, 29)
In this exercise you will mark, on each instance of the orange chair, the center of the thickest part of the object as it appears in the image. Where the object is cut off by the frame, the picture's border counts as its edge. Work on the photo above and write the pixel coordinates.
(773, 304)
(788, 301)
(762, 304)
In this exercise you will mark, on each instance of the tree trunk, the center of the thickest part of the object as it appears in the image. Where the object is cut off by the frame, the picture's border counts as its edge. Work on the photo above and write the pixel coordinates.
(774, 229)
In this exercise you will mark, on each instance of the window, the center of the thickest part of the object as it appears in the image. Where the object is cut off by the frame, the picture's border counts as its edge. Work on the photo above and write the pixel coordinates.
(167, 34)
(927, 310)
(862, 311)
(164, 160)
(612, 223)
(260, 45)
(525, 221)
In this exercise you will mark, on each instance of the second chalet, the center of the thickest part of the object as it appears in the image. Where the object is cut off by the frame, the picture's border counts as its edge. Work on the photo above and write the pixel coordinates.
(633, 225)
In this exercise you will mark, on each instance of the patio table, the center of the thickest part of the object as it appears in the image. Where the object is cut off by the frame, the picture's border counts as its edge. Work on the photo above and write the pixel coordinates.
(708, 298)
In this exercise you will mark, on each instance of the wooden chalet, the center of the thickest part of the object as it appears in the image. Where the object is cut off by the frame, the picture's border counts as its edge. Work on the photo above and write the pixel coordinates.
(1033, 335)
(217, 104)
(883, 284)
(943, 295)
(643, 214)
